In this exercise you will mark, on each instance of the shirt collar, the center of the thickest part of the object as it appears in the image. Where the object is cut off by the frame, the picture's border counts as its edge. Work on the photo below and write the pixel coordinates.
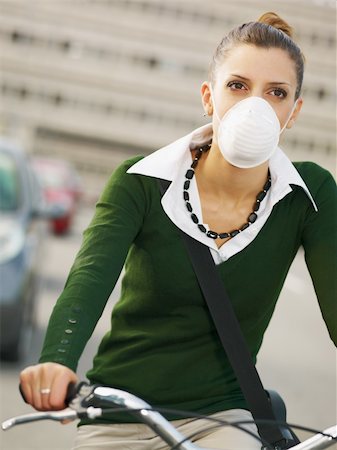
(164, 162)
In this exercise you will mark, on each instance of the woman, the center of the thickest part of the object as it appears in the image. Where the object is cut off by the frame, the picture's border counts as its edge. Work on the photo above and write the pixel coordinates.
(233, 189)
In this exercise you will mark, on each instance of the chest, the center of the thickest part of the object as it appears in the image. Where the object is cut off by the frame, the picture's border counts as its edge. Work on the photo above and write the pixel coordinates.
(226, 218)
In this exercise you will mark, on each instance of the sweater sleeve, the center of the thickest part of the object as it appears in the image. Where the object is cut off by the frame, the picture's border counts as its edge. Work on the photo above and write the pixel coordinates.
(118, 218)
(320, 245)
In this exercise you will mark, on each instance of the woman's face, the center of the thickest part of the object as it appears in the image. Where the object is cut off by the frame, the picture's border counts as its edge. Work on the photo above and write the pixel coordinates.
(253, 71)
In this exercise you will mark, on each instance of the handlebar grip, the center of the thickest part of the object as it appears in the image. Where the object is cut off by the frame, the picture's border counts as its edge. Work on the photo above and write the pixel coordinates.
(72, 391)
(22, 394)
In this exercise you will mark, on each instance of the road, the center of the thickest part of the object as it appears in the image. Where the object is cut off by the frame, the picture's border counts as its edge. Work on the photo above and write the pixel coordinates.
(297, 357)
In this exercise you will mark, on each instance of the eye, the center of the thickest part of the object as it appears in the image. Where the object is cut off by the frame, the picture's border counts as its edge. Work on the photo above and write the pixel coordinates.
(280, 93)
(236, 85)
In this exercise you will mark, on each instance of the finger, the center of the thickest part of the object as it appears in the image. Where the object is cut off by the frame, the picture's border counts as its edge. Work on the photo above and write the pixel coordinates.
(46, 381)
(35, 386)
(60, 387)
(30, 387)
(51, 395)
(66, 421)
(26, 390)
(44, 396)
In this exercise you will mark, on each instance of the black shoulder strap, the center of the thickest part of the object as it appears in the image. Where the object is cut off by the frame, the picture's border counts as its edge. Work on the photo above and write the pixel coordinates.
(233, 341)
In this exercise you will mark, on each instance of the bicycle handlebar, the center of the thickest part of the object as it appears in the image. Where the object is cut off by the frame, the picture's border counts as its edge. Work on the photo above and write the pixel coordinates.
(83, 398)
(80, 399)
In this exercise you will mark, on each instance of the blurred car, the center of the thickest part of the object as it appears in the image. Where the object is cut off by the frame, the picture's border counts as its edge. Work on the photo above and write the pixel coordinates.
(62, 190)
(21, 237)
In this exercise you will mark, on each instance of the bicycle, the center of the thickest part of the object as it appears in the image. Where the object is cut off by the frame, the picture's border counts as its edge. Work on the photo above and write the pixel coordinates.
(85, 401)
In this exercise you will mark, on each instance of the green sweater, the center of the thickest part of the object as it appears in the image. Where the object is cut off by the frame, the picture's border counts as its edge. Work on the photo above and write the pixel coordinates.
(162, 345)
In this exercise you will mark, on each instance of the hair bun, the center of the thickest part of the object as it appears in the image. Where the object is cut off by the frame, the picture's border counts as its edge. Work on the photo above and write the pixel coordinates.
(274, 20)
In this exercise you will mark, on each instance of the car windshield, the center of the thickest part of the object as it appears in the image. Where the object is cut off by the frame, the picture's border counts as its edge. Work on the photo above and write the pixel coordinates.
(9, 185)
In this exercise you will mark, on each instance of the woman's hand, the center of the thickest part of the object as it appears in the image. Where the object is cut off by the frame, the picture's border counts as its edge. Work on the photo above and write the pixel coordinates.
(45, 385)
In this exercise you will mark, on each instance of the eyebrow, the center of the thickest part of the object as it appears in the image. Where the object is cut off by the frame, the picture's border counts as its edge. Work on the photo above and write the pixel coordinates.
(270, 82)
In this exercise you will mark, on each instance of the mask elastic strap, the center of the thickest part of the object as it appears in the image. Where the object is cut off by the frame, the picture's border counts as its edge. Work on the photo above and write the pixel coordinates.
(289, 116)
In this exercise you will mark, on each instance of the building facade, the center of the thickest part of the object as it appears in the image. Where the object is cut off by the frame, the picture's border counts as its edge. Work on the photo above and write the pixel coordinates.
(96, 81)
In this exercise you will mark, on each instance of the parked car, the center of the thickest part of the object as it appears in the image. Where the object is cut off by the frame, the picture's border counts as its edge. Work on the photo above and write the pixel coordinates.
(62, 190)
(21, 240)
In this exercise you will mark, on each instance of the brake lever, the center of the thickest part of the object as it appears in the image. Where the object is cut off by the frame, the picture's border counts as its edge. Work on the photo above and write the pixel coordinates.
(78, 400)
(58, 416)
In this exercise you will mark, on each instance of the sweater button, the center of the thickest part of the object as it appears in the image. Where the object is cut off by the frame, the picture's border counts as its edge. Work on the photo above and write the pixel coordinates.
(72, 321)
(68, 331)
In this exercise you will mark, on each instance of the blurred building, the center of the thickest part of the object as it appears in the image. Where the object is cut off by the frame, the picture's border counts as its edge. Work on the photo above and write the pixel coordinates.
(95, 81)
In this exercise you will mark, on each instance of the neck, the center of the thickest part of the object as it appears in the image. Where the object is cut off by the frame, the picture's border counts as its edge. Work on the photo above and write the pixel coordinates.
(223, 179)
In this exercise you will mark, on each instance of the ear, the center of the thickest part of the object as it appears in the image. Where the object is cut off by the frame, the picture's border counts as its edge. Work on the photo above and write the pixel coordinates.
(296, 112)
(206, 98)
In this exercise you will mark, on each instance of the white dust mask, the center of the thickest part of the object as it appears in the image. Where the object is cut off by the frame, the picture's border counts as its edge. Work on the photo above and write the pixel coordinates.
(249, 132)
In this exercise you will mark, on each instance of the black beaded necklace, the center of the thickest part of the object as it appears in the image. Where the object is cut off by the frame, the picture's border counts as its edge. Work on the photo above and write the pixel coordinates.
(213, 234)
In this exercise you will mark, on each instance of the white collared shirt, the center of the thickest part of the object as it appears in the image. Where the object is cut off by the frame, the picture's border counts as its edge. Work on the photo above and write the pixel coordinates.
(171, 163)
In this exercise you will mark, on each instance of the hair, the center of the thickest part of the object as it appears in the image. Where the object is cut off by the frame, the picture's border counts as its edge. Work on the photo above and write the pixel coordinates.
(269, 31)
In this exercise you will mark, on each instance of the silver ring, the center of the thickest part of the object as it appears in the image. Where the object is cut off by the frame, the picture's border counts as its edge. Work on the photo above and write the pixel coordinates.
(45, 391)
